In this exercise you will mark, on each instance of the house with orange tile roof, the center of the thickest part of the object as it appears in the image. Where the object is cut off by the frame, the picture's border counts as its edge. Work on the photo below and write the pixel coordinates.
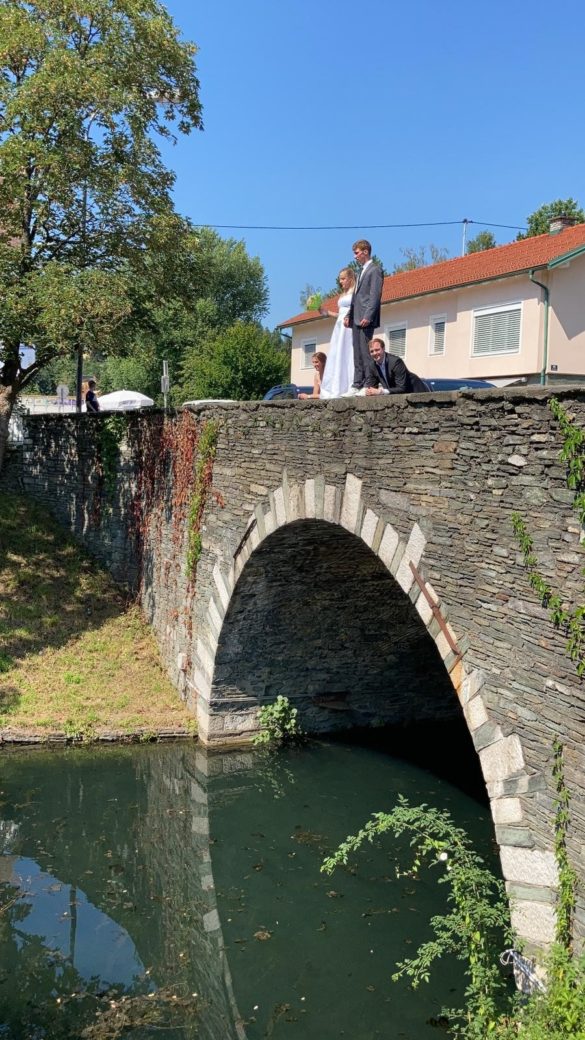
(515, 313)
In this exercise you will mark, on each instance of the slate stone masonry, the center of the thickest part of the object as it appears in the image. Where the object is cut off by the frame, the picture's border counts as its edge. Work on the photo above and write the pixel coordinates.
(326, 521)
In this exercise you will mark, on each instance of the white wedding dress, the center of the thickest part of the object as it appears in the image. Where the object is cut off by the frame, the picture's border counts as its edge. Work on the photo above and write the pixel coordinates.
(338, 374)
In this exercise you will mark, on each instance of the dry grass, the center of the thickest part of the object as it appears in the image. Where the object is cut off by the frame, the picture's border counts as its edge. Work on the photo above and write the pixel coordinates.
(74, 656)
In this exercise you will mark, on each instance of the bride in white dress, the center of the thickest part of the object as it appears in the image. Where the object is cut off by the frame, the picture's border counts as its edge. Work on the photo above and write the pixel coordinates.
(338, 375)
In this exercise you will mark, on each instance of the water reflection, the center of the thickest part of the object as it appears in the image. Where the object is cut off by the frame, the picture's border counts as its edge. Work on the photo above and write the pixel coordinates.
(69, 927)
(149, 874)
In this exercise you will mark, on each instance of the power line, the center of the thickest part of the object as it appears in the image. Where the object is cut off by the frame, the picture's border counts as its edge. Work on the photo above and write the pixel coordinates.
(354, 227)
(485, 223)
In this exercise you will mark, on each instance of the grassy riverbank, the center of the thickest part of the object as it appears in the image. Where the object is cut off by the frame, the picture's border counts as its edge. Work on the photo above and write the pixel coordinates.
(75, 657)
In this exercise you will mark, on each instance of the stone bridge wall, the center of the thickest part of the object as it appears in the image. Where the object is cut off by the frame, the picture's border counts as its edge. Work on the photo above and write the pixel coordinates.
(324, 522)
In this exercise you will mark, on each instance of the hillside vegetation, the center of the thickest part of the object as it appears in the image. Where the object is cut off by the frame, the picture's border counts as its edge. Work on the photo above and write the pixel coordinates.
(76, 657)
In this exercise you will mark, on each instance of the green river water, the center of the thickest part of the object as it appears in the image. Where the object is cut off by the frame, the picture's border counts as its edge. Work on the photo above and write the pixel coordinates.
(160, 892)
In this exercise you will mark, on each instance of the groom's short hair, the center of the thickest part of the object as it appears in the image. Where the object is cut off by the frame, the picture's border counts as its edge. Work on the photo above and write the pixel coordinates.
(363, 243)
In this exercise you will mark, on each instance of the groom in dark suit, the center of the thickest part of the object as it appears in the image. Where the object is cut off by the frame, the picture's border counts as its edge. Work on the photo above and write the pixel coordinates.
(386, 373)
(364, 312)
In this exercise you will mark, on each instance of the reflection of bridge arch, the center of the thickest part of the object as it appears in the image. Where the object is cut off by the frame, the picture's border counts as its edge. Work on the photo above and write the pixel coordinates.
(233, 678)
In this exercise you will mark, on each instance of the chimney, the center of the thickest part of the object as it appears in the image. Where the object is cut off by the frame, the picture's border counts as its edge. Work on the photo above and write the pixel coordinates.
(560, 222)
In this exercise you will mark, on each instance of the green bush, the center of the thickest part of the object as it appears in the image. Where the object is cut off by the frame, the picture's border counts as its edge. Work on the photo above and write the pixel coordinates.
(279, 724)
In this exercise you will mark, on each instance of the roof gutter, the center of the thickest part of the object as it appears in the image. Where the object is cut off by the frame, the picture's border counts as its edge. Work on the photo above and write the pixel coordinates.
(546, 314)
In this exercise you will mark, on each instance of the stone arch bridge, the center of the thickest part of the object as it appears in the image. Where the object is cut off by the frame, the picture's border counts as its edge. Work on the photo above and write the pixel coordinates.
(358, 556)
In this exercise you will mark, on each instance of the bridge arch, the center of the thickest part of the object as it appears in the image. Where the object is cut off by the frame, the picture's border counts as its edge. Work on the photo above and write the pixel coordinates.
(228, 715)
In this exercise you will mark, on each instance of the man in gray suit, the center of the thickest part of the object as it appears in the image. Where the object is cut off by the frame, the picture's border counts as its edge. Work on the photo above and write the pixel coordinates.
(364, 312)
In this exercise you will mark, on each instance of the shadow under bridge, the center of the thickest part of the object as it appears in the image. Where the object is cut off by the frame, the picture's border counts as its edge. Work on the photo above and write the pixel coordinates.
(317, 617)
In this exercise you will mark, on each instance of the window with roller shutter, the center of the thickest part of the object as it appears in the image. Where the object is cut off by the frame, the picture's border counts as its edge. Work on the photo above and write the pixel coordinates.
(437, 335)
(396, 336)
(496, 330)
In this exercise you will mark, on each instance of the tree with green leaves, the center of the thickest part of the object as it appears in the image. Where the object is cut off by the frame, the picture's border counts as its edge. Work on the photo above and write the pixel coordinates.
(208, 285)
(239, 363)
(483, 240)
(84, 195)
(205, 286)
(414, 258)
(538, 223)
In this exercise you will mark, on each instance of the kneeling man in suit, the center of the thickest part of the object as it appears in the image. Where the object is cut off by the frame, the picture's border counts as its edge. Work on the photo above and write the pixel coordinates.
(386, 373)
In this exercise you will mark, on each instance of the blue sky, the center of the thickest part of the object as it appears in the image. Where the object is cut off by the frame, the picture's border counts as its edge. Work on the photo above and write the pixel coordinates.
(376, 113)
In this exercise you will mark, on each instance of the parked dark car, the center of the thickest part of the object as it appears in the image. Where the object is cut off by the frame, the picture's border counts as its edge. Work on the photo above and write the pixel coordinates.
(286, 391)
(458, 384)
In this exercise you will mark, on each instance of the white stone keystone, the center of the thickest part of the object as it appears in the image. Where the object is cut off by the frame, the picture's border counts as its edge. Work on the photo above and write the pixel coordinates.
(295, 502)
(310, 498)
(352, 497)
(330, 508)
(388, 545)
(529, 866)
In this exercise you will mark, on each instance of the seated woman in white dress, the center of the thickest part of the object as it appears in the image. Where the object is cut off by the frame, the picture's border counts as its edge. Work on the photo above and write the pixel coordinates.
(338, 375)
(318, 362)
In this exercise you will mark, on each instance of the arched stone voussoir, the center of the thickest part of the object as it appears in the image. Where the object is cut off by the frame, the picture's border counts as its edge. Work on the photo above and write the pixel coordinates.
(351, 505)
(411, 557)
(224, 585)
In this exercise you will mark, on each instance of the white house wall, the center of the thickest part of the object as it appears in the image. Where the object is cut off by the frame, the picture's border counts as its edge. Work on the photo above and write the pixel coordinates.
(567, 319)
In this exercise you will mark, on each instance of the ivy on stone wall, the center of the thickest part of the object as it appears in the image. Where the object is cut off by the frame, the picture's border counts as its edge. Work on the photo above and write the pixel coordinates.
(572, 622)
(206, 449)
(111, 431)
(174, 462)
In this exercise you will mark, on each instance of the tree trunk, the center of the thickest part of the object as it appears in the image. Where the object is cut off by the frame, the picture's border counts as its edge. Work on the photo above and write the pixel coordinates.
(7, 399)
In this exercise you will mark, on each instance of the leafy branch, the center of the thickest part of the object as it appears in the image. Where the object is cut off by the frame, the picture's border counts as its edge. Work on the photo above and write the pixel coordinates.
(567, 876)
(478, 917)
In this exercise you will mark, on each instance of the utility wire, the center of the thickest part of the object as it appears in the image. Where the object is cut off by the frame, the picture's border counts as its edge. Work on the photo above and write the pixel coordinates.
(353, 227)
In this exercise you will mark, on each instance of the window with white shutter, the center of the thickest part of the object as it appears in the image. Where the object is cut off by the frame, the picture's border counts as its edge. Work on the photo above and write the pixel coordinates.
(497, 331)
(437, 334)
(396, 336)
(308, 348)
